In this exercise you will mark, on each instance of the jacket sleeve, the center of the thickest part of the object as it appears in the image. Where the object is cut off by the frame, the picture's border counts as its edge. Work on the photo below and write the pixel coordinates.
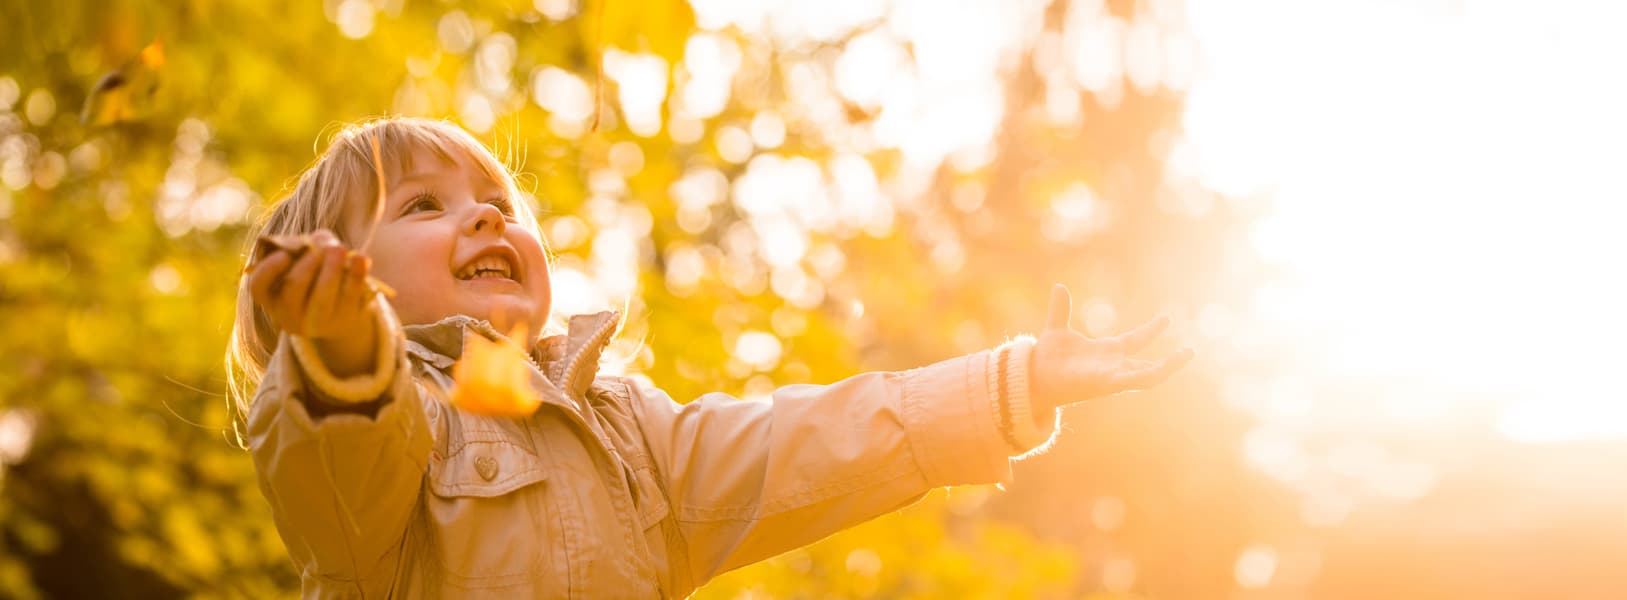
(748, 480)
(341, 483)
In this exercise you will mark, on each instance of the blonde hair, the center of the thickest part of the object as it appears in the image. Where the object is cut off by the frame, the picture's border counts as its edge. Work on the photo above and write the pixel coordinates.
(343, 173)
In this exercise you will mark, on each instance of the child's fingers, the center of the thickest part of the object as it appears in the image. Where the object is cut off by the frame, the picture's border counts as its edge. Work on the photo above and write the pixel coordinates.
(323, 237)
(1143, 334)
(320, 309)
(1151, 373)
(350, 301)
(356, 291)
(350, 296)
(296, 291)
(358, 265)
(266, 274)
(1061, 308)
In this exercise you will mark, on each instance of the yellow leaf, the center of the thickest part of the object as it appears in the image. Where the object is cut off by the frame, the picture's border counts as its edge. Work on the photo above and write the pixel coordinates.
(125, 93)
(494, 378)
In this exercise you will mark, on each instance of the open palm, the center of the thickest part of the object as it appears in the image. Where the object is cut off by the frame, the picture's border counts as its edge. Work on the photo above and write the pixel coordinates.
(1070, 367)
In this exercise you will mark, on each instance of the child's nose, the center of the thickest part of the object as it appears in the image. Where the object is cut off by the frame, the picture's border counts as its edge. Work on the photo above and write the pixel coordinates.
(485, 215)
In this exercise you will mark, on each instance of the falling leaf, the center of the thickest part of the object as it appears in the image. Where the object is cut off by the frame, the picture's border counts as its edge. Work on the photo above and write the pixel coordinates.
(126, 92)
(494, 378)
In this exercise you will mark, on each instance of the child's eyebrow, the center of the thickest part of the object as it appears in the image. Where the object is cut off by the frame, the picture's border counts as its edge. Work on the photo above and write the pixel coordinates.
(415, 177)
(481, 185)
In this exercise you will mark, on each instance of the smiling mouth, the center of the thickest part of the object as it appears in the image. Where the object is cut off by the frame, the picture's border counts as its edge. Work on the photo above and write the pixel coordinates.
(487, 267)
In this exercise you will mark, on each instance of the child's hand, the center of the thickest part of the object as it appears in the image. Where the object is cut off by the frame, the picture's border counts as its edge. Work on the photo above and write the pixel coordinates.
(1069, 367)
(319, 290)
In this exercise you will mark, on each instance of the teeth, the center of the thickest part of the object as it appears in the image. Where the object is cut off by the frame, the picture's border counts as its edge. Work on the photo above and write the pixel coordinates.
(487, 266)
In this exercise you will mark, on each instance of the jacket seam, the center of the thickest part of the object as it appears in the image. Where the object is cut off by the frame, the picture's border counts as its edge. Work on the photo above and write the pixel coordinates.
(467, 443)
(934, 461)
(517, 480)
(973, 433)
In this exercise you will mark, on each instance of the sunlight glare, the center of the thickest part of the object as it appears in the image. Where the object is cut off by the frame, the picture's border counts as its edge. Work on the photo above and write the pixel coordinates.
(1446, 202)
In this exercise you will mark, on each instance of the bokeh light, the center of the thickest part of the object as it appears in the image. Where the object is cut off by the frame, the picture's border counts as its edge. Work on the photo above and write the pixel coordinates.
(1387, 228)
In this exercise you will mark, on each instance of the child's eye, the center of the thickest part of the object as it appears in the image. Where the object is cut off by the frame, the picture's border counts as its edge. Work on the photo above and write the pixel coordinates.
(503, 205)
(424, 201)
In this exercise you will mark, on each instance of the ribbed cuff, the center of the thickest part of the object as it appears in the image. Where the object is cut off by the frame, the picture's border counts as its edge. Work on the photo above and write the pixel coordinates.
(364, 387)
(1010, 376)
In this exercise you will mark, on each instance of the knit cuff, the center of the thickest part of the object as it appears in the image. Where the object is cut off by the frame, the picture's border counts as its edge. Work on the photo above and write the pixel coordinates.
(362, 387)
(1014, 396)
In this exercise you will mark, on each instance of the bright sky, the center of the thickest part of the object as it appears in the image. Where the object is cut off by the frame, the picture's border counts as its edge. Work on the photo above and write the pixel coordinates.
(1447, 183)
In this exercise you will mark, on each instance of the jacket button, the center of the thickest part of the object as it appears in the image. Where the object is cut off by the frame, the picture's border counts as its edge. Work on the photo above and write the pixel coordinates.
(486, 466)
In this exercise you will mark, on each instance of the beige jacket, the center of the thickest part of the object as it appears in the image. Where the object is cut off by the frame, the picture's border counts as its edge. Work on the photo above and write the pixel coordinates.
(611, 489)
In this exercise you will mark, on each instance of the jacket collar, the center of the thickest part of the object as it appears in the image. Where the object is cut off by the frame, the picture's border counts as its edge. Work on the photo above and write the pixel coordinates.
(569, 360)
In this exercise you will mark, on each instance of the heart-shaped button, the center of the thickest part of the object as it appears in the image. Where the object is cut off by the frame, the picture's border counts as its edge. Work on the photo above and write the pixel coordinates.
(486, 466)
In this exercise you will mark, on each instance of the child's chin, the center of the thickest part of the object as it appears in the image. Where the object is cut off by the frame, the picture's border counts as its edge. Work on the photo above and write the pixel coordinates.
(505, 313)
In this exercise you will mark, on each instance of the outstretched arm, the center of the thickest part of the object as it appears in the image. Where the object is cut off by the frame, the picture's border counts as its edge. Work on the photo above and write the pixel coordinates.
(747, 480)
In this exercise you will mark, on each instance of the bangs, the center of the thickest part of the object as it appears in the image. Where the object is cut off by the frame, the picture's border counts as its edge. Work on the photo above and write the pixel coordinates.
(400, 138)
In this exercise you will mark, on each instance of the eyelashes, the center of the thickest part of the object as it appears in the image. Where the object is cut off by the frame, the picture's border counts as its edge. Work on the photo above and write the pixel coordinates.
(425, 199)
(429, 201)
(503, 205)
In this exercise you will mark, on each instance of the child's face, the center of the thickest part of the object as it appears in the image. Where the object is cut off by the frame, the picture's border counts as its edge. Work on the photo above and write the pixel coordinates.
(449, 244)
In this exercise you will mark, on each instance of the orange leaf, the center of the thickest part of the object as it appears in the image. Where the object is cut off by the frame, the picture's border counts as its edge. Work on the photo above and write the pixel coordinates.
(494, 378)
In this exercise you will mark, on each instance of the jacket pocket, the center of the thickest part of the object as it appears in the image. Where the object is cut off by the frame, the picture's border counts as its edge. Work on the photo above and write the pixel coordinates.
(650, 501)
(649, 496)
(488, 513)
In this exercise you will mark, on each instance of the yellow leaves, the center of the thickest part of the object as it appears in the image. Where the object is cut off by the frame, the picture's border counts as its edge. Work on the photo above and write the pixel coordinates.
(494, 378)
(125, 93)
(658, 26)
(152, 56)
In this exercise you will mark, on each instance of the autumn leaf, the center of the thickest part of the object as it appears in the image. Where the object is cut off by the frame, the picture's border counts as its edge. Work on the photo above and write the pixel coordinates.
(124, 93)
(494, 378)
(294, 245)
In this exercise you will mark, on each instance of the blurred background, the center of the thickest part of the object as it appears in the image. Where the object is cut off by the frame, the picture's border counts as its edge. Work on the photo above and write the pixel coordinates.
(1390, 229)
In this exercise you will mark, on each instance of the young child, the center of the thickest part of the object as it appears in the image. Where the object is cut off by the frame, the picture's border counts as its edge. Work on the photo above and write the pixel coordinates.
(382, 489)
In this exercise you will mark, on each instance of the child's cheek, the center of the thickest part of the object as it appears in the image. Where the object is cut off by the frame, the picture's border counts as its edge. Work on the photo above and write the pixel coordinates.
(542, 286)
(536, 258)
